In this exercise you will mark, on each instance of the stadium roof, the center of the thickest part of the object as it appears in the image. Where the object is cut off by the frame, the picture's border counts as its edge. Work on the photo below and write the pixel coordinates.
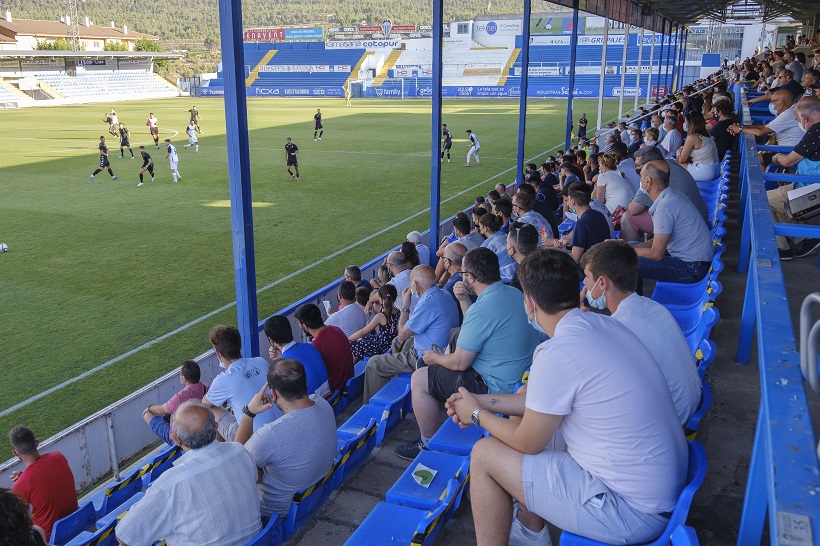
(652, 14)
(58, 29)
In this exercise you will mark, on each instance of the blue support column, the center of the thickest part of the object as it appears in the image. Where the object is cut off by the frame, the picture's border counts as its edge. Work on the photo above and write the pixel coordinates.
(573, 46)
(660, 61)
(525, 77)
(668, 58)
(683, 62)
(435, 139)
(239, 174)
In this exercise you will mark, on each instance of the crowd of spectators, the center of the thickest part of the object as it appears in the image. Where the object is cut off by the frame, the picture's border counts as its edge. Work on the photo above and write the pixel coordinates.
(496, 296)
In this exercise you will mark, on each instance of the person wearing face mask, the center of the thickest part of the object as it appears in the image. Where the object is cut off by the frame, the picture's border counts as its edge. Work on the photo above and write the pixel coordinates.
(241, 379)
(673, 139)
(806, 156)
(418, 330)
(610, 277)
(158, 416)
(489, 226)
(699, 151)
(521, 242)
(681, 250)
(330, 341)
(592, 384)
(591, 227)
(657, 123)
(492, 349)
(722, 111)
(783, 127)
(651, 137)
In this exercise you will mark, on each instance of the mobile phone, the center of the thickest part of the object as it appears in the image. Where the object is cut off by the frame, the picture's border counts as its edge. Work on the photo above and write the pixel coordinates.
(327, 305)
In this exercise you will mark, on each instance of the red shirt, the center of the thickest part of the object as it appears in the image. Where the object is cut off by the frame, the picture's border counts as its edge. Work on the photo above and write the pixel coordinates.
(47, 485)
(333, 345)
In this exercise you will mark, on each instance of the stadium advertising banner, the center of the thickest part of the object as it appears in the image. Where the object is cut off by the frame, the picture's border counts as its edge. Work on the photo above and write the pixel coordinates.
(483, 71)
(363, 44)
(597, 40)
(264, 35)
(303, 34)
(504, 27)
(546, 24)
(305, 68)
(292, 91)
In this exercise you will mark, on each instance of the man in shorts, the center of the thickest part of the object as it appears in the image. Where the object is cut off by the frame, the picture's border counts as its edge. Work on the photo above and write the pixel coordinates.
(112, 127)
(104, 164)
(563, 454)
(153, 126)
(473, 146)
(446, 141)
(192, 140)
(492, 351)
(195, 118)
(173, 159)
(317, 125)
(147, 165)
(291, 150)
(125, 141)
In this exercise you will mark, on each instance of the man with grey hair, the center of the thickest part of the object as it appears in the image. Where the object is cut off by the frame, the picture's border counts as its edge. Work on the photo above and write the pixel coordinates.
(806, 155)
(784, 126)
(673, 139)
(423, 250)
(207, 499)
(636, 220)
(354, 274)
(681, 250)
(419, 329)
(397, 266)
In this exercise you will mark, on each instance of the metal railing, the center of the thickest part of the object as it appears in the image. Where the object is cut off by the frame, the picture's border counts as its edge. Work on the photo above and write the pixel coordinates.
(784, 474)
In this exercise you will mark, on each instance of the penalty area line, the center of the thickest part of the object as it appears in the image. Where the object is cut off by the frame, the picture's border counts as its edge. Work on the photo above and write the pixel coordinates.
(227, 306)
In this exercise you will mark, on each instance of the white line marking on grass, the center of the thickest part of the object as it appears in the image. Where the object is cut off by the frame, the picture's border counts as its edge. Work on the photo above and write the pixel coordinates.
(225, 307)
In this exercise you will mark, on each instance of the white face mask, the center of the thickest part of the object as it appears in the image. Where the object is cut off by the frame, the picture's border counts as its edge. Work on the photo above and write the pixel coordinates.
(533, 320)
(600, 301)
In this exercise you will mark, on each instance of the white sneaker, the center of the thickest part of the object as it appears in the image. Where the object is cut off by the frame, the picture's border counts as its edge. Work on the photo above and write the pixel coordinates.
(152, 179)
(314, 140)
(115, 177)
(320, 138)
(140, 184)
(519, 536)
(91, 177)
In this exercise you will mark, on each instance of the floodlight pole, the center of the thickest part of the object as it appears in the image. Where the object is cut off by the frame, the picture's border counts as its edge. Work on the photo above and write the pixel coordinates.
(524, 87)
(603, 71)
(573, 47)
(435, 133)
(660, 61)
(239, 174)
(668, 58)
(651, 67)
(683, 62)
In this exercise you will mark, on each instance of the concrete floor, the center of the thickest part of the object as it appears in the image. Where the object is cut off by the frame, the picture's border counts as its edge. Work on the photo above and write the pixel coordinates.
(727, 432)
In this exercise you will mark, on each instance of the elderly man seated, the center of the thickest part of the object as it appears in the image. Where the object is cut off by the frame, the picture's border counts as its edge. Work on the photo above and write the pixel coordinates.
(783, 127)
(806, 155)
(681, 250)
(492, 350)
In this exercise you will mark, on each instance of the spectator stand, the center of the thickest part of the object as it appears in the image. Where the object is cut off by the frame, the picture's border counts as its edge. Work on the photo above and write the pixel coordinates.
(784, 470)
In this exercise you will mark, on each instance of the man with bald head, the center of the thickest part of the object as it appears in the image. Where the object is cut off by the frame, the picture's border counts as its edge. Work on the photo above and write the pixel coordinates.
(428, 324)
(209, 496)
(681, 250)
(784, 126)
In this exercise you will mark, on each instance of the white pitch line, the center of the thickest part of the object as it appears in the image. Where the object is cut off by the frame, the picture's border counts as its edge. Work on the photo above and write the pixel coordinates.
(225, 307)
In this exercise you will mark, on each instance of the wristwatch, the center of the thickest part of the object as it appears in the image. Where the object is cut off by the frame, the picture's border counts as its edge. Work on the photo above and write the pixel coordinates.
(406, 310)
(475, 416)
(248, 412)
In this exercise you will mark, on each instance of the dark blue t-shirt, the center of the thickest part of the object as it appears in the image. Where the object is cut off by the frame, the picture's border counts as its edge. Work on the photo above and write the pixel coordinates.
(590, 229)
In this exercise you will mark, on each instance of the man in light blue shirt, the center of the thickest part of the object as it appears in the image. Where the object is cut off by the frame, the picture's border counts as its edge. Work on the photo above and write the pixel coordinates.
(428, 324)
(493, 349)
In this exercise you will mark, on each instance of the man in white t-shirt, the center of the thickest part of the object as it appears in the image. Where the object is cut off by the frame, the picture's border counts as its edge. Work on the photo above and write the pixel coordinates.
(673, 139)
(241, 380)
(611, 275)
(784, 126)
(350, 317)
(173, 159)
(397, 266)
(599, 450)
(192, 140)
(474, 147)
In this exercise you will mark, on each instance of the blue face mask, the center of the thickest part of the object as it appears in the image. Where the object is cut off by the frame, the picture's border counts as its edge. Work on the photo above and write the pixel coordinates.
(685, 127)
(772, 109)
(600, 301)
(536, 326)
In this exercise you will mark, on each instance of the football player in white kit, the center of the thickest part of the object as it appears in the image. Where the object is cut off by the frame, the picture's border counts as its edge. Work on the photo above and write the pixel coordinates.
(173, 159)
(474, 148)
(192, 140)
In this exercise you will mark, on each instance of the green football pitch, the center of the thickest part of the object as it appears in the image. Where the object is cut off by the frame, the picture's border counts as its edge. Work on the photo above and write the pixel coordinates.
(98, 269)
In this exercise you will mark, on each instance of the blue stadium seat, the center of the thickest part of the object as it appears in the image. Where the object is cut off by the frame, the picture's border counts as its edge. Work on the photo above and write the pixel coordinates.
(407, 492)
(335, 402)
(395, 399)
(354, 448)
(700, 413)
(360, 420)
(270, 535)
(160, 463)
(117, 493)
(305, 504)
(394, 524)
(705, 355)
(355, 385)
(684, 536)
(451, 438)
(704, 328)
(694, 478)
(121, 510)
(73, 524)
(103, 537)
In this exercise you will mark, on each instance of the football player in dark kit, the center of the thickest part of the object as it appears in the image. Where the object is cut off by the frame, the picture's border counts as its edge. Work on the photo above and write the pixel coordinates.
(147, 165)
(125, 141)
(291, 150)
(104, 164)
(447, 141)
(317, 125)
